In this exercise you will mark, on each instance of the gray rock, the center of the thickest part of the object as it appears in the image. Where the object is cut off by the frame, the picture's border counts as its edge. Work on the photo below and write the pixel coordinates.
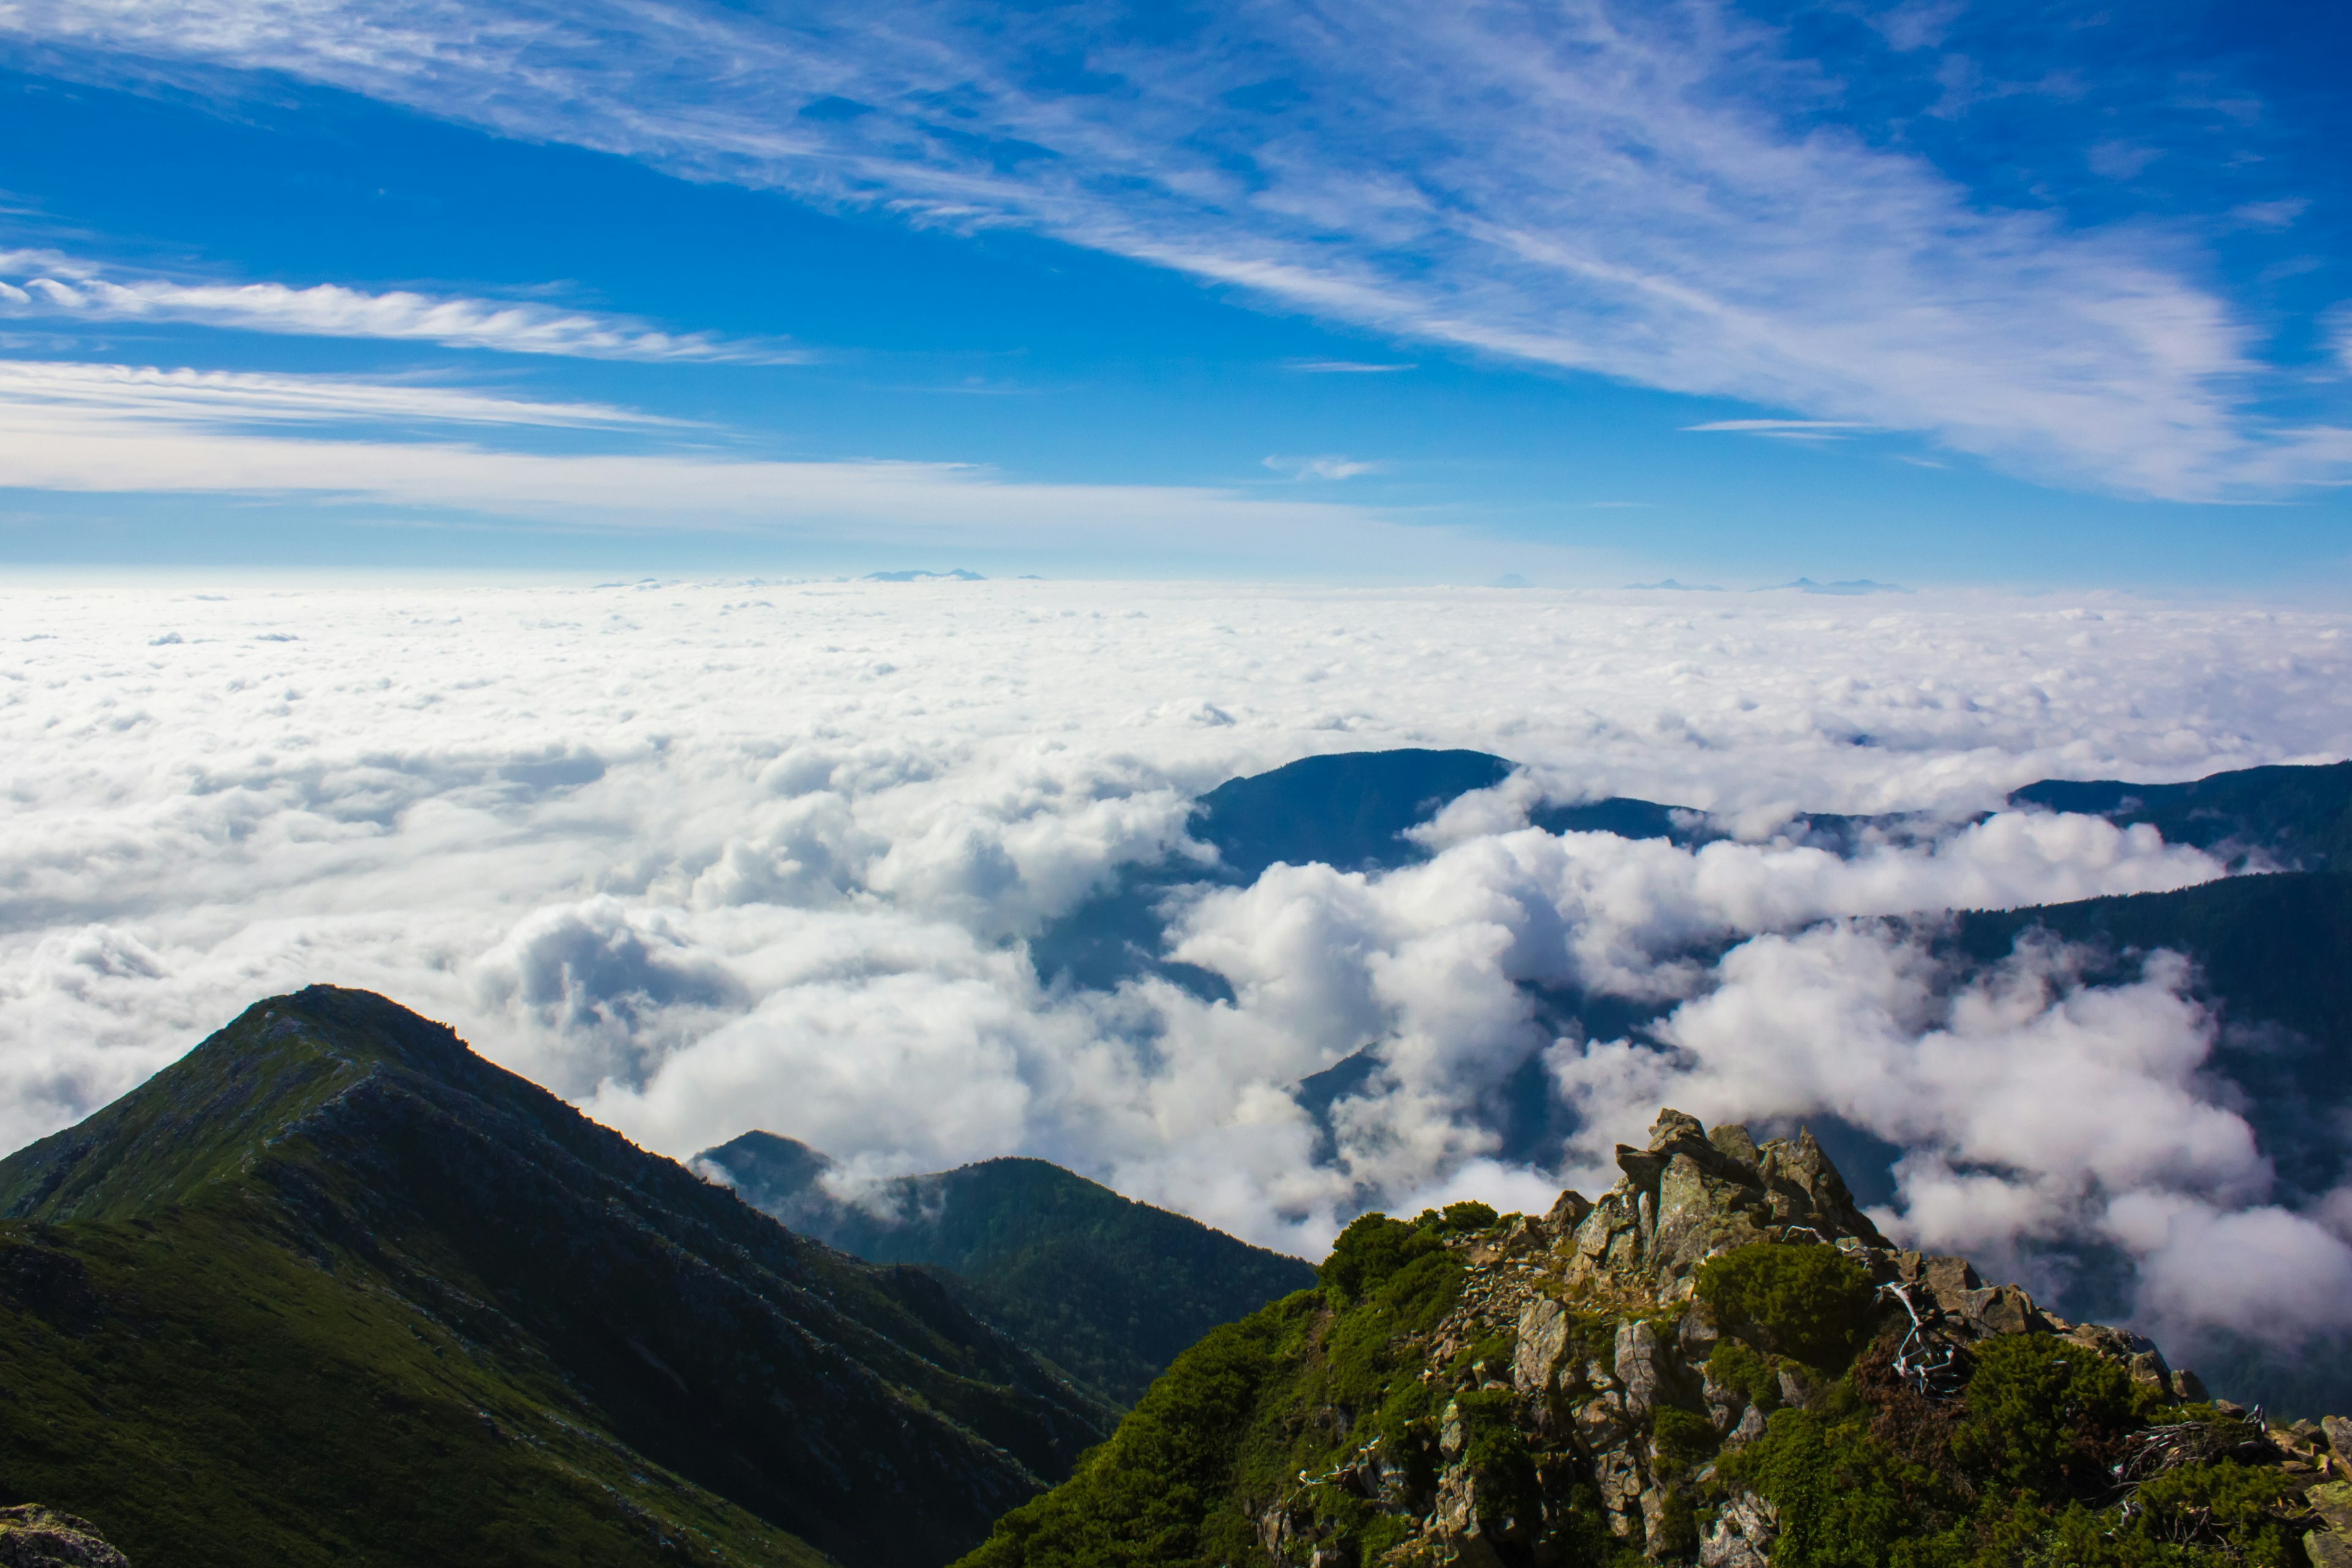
(2338, 1432)
(1600, 1422)
(1750, 1427)
(1697, 1336)
(32, 1536)
(1462, 1521)
(1733, 1142)
(1645, 1367)
(1742, 1536)
(1567, 1213)
(1725, 1404)
(1543, 1341)
(1449, 1430)
(1653, 1504)
(1795, 1388)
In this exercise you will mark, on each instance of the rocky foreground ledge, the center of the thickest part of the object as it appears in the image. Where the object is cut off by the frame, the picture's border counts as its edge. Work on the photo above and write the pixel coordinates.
(1720, 1362)
(32, 1536)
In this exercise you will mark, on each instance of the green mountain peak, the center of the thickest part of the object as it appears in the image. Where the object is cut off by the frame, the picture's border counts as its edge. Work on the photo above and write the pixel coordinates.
(332, 1288)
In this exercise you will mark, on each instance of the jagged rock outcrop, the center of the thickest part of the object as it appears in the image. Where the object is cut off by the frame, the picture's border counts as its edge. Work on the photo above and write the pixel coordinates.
(32, 1536)
(1718, 1360)
(1626, 1264)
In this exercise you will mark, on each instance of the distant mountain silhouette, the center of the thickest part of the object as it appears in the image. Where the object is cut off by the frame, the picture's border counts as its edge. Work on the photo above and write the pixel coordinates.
(1107, 1289)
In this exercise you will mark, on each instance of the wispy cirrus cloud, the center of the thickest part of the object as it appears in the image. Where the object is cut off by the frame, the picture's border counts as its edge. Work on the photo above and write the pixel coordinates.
(116, 429)
(1329, 466)
(1645, 194)
(1785, 429)
(80, 394)
(44, 284)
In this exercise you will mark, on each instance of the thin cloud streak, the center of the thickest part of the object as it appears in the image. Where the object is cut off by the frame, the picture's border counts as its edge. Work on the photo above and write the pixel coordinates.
(1763, 426)
(45, 285)
(65, 397)
(121, 430)
(1568, 185)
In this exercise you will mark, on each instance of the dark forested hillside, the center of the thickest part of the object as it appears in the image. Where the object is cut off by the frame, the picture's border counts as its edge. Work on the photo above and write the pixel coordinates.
(1107, 1289)
(2274, 957)
(334, 1290)
(2276, 818)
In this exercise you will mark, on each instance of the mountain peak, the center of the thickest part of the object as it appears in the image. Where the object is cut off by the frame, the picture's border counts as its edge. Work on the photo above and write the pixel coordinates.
(214, 1111)
(556, 1278)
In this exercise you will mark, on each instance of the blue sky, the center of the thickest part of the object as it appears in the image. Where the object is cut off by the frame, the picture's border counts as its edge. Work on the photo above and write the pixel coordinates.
(1944, 294)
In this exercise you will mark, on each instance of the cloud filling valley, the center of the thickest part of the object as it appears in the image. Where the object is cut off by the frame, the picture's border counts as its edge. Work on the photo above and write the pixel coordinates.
(709, 856)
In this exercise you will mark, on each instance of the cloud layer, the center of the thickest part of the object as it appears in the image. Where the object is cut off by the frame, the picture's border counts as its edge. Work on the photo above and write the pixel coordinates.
(1653, 193)
(711, 857)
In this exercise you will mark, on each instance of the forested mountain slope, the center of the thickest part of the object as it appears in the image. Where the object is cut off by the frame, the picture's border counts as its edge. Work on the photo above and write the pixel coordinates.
(1107, 1289)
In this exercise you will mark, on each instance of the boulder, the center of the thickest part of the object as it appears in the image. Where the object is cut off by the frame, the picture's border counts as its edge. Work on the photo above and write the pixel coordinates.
(1567, 1213)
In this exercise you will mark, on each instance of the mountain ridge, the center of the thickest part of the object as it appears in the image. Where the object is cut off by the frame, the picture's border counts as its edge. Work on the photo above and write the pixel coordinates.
(588, 1297)
(1109, 1289)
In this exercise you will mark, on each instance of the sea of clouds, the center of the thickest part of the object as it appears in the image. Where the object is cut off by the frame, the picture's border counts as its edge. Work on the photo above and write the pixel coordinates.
(711, 857)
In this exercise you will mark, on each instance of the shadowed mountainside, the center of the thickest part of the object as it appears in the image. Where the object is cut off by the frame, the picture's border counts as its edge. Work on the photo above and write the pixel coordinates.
(332, 1288)
(1107, 1289)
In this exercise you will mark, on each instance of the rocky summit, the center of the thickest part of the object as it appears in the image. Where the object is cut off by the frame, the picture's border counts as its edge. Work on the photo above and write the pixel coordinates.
(1720, 1361)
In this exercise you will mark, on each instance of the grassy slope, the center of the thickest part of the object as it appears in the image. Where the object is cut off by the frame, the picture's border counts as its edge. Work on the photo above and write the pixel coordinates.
(330, 1184)
(1234, 1420)
(207, 1395)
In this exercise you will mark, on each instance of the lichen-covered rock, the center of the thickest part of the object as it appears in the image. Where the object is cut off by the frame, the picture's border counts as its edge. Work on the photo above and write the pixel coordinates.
(1742, 1535)
(1543, 1342)
(1647, 1369)
(32, 1536)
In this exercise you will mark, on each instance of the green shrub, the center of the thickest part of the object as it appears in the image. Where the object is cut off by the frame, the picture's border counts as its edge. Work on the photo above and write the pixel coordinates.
(1371, 1250)
(1142, 1497)
(1497, 1456)
(1735, 1366)
(1844, 1500)
(2240, 1504)
(1685, 1441)
(1469, 1216)
(1810, 1302)
(2042, 1415)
